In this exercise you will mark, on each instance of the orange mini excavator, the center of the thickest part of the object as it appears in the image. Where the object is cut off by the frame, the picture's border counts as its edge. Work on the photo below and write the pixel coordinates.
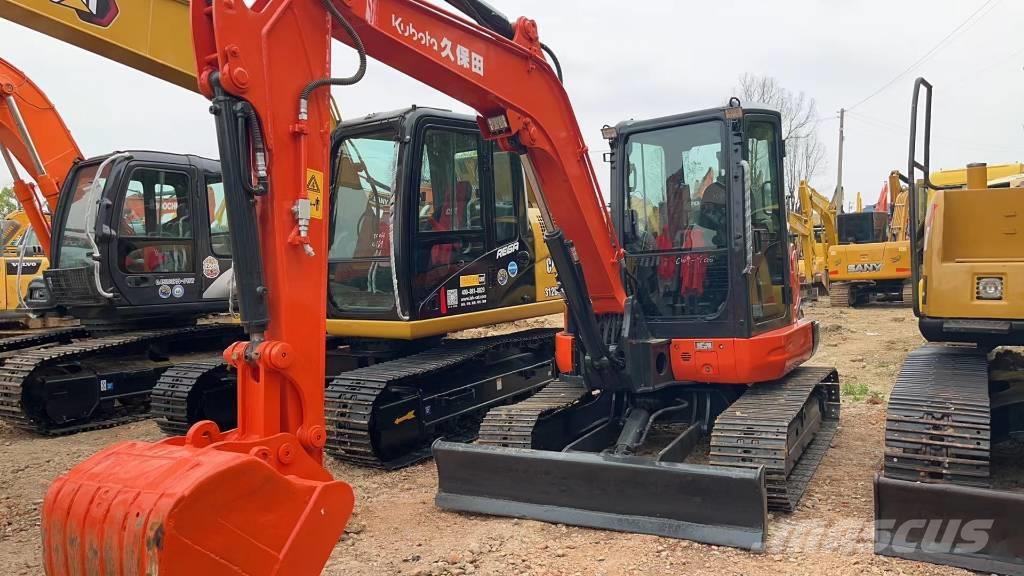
(666, 340)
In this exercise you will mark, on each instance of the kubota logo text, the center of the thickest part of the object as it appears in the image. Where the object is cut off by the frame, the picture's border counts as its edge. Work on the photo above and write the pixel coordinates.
(100, 13)
(867, 267)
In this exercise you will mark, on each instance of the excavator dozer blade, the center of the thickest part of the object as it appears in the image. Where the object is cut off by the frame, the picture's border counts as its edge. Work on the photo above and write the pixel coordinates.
(174, 510)
(974, 528)
(710, 504)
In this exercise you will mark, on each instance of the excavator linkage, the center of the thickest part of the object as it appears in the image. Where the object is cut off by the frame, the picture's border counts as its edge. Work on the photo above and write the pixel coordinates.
(710, 504)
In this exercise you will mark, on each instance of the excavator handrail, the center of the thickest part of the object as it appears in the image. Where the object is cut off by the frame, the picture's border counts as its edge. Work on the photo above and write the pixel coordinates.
(33, 132)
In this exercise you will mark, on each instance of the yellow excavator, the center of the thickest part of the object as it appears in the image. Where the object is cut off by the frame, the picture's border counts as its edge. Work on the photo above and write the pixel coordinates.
(871, 260)
(950, 491)
(22, 261)
(814, 227)
(470, 254)
(999, 175)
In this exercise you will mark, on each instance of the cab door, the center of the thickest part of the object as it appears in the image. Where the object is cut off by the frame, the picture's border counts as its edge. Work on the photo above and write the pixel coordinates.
(213, 239)
(154, 255)
(471, 249)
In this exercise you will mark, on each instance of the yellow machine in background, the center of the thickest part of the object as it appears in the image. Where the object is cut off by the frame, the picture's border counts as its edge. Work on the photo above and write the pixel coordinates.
(814, 226)
(872, 257)
(996, 175)
(955, 416)
(21, 252)
(12, 228)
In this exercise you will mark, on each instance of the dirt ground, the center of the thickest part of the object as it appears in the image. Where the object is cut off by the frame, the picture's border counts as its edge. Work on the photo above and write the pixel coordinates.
(397, 529)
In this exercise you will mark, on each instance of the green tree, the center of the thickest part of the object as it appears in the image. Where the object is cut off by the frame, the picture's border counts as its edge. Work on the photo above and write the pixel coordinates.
(8, 202)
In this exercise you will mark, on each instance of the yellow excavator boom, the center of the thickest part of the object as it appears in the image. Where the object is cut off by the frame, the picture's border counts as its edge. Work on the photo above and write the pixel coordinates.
(153, 36)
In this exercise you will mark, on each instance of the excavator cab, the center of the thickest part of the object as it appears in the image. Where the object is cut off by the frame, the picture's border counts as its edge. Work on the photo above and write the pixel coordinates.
(430, 231)
(134, 237)
(675, 200)
(862, 227)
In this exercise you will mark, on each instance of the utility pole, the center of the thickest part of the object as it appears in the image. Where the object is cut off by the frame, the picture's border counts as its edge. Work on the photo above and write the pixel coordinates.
(838, 198)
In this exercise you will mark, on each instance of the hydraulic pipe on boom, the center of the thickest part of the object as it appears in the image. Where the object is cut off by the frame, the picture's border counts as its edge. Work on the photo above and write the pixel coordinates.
(32, 132)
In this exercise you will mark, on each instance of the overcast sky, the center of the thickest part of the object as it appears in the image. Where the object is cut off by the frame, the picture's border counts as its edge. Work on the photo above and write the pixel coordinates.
(650, 58)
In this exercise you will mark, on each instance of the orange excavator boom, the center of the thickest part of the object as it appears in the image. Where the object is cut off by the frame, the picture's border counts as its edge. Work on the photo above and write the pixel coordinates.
(32, 132)
(256, 500)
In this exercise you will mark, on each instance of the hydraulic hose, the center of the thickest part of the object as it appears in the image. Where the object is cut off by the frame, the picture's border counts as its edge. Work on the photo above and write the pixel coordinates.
(554, 60)
(339, 18)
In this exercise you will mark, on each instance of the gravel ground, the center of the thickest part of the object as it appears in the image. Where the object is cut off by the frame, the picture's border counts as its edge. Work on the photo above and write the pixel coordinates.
(397, 529)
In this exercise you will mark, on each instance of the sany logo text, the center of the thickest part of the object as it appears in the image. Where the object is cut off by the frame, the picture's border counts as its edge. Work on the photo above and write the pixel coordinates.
(867, 267)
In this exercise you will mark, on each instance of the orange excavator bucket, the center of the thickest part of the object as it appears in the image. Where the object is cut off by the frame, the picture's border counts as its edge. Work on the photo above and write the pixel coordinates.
(191, 507)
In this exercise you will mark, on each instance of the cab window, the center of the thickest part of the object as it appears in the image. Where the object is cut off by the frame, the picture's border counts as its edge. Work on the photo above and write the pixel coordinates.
(508, 187)
(767, 280)
(450, 211)
(155, 227)
(360, 274)
(450, 182)
(220, 232)
(676, 194)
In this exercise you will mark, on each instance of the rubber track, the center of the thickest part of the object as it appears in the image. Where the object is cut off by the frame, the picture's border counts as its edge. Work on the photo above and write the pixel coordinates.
(18, 369)
(511, 426)
(350, 397)
(937, 426)
(169, 398)
(755, 431)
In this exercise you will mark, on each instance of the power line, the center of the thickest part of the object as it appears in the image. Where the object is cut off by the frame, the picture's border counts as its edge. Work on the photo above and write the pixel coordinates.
(905, 131)
(929, 53)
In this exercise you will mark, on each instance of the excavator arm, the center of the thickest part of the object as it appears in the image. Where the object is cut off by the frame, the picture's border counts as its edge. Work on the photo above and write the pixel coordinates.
(826, 212)
(32, 132)
(256, 500)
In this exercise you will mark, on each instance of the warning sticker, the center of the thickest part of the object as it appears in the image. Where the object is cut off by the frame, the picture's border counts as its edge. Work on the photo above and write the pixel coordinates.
(315, 190)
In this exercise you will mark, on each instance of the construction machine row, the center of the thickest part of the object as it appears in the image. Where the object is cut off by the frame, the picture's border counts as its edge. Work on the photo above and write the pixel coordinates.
(677, 399)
